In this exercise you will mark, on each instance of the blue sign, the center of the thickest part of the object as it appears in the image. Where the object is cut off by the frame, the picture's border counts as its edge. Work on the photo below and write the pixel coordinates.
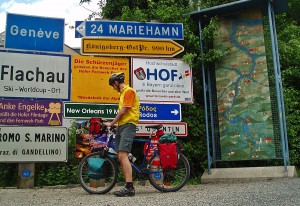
(160, 112)
(26, 173)
(129, 29)
(34, 33)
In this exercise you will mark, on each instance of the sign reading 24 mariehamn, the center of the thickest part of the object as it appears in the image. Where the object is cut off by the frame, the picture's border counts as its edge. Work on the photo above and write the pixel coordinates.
(129, 29)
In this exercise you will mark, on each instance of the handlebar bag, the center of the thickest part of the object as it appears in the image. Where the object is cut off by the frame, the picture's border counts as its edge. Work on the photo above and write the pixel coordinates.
(168, 154)
(96, 168)
(96, 126)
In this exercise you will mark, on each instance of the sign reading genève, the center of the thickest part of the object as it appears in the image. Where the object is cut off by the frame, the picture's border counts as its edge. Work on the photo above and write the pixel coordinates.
(34, 33)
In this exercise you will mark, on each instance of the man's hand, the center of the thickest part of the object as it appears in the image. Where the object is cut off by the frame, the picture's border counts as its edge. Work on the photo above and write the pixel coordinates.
(108, 124)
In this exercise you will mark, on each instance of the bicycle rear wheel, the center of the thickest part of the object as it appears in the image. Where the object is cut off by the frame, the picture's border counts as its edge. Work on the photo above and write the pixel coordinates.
(108, 177)
(170, 180)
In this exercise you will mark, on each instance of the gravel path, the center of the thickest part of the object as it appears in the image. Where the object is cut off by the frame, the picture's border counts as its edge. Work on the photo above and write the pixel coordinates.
(279, 192)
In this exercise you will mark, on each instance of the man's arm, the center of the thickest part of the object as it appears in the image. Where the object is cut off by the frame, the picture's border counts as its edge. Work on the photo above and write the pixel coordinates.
(119, 116)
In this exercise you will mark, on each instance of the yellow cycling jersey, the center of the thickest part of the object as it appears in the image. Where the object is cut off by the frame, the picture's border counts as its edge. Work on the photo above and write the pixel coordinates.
(129, 98)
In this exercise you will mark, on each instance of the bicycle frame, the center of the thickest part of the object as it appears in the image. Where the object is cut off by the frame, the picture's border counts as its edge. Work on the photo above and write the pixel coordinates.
(144, 165)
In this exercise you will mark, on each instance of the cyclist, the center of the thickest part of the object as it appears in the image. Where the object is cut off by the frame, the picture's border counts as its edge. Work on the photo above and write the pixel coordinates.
(127, 119)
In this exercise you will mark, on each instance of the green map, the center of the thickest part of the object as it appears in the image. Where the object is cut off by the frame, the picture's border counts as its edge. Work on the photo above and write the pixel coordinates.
(243, 96)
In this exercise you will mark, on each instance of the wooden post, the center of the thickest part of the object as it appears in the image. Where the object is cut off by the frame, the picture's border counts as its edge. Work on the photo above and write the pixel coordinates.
(26, 175)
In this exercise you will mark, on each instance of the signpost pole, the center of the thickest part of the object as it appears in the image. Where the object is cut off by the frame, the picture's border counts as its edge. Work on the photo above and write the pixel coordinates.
(26, 175)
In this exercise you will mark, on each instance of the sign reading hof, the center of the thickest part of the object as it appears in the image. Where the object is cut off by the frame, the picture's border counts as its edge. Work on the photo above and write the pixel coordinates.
(28, 75)
(34, 33)
(30, 112)
(162, 80)
(33, 144)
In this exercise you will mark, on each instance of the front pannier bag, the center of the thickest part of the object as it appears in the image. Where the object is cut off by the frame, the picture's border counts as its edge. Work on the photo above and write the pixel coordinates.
(96, 168)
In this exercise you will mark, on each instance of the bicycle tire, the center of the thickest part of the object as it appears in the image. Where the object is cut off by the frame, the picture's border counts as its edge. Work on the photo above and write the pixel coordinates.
(103, 185)
(171, 180)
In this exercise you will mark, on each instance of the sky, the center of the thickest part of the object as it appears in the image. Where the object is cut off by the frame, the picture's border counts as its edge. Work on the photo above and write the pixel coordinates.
(70, 10)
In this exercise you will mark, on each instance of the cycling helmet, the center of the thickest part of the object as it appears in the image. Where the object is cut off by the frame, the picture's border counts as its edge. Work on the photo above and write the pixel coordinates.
(119, 77)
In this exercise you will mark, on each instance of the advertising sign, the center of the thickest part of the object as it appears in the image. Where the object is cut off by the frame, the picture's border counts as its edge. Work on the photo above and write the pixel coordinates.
(129, 29)
(130, 47)
(162, 80)
(33, 144)
(34, 33)
(90, 78)
(148, 112)
(30, 112)
(178, 128)
(29, 75)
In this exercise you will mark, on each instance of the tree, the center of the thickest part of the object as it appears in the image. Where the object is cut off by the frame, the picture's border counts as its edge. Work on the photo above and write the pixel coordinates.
(176, 11)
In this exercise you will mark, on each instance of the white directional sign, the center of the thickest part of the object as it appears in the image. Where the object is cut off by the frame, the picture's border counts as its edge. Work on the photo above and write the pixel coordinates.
(179, 128)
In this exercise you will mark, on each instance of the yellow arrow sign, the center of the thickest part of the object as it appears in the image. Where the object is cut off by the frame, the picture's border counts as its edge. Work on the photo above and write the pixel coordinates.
(130, 47)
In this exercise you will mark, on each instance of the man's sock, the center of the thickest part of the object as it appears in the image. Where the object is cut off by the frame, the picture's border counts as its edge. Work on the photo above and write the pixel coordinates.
(129, 185)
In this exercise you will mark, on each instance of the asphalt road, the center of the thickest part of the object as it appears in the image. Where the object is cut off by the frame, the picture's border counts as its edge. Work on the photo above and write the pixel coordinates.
(285, 191)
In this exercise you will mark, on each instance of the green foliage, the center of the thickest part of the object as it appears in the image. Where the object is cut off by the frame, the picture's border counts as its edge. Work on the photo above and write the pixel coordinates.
(8, 174)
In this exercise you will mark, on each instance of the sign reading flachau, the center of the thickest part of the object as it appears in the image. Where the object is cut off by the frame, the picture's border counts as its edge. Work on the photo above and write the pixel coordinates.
(30, 75)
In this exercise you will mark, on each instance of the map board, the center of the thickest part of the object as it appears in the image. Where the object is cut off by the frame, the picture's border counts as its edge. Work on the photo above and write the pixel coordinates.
(243, 95)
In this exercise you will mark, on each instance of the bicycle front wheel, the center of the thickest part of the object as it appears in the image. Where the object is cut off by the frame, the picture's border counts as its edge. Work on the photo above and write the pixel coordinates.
(169, 180)
(101, 183)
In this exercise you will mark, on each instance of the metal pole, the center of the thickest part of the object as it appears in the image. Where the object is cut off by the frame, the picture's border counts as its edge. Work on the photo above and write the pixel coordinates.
(205, 100)
(277, 81)
(211, 120)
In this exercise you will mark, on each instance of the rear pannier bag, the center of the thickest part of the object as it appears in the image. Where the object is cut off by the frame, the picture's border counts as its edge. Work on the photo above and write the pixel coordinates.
(168, 154)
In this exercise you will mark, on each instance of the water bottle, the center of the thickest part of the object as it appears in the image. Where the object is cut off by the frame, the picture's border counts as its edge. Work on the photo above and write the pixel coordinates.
(131, 158)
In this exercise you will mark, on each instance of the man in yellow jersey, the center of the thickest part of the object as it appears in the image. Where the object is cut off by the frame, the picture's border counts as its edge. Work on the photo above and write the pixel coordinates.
(127, 119)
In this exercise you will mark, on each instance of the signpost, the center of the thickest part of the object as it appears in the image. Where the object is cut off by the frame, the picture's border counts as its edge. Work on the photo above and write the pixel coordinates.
(149, 112)
(129, 29)
(130, 47)
(34, 33)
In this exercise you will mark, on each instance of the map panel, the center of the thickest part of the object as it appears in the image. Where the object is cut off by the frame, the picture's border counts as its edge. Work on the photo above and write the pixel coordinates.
(243, 96)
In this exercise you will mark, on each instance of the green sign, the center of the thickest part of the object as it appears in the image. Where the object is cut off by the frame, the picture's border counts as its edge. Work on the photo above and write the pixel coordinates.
(79, 110)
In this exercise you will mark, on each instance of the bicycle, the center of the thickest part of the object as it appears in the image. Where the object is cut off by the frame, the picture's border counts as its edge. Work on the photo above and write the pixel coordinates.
(164, 180)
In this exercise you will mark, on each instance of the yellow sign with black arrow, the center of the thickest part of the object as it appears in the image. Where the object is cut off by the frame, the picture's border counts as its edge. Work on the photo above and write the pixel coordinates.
(130, 47)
